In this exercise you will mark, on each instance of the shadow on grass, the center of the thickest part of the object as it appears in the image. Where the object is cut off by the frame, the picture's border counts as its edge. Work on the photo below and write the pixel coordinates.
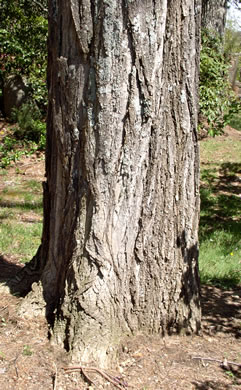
(22, 205)
(219, 201)
(221, 311)
(8, 268)
(221, 210)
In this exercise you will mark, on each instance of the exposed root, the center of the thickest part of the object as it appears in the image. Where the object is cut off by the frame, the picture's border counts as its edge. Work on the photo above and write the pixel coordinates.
(117, 382)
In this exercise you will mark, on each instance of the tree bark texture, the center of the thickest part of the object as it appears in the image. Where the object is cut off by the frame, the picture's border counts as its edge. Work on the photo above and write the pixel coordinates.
(214, 13)
(120, 243)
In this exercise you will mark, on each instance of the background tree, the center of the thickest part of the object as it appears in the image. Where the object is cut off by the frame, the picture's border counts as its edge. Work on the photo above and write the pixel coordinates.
(214, 13)
(217, 102)
(121, 201)
(23, 90)
(232, 50)
(23, 50)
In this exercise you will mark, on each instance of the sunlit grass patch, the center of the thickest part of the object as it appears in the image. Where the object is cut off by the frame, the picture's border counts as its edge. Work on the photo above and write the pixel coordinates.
(20, 239)
(33, 185)
(220, 258)
(22, 198)
(220, 150)
(20, 217)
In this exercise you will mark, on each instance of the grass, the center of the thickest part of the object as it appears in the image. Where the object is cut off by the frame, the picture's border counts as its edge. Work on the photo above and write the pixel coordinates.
(220, 220)
(21, 217)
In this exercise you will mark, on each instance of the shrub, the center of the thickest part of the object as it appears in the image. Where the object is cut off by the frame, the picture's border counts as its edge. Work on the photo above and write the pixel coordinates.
(23, 36)
(217, 101)
(30, 126)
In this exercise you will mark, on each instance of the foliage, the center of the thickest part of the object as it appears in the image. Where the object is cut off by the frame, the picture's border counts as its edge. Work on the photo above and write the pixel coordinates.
(8, 154)
(217, 102)
(12, 149)
(27, 350)
(27, 137)
(30, 127)
(23, 36)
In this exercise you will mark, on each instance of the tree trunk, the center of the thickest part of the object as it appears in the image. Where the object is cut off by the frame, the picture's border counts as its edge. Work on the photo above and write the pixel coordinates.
(214, 14)
(120, 247)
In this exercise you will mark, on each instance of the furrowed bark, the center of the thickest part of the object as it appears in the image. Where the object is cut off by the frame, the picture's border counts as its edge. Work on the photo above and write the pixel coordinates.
(122, 194)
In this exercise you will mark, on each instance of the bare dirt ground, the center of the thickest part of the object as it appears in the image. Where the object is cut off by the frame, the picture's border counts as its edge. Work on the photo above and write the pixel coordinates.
(28, 360)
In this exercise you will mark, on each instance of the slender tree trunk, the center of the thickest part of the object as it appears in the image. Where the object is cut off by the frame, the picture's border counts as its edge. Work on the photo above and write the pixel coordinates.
(120, 247)
(233, 70)
(214, 13)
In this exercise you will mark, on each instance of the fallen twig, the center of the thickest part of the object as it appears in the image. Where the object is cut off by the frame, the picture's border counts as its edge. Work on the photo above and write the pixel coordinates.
(13, 362)
(86, 376)
(224, 362)
(115, 381)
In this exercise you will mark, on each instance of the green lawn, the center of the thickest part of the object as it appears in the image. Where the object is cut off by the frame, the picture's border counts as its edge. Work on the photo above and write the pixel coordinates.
(220, 220)
(20, 216)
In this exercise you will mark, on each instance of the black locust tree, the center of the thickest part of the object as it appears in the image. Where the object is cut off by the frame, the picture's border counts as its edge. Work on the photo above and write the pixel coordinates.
(119, 248)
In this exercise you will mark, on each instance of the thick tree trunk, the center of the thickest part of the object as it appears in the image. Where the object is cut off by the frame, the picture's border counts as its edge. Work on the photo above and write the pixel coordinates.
(214, 13)
(120, 243)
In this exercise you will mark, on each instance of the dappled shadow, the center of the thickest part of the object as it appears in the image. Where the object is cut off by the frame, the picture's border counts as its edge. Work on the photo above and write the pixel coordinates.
(221, 209)
(229, 178)
(8, 269)
(221, 311)
(21, 282)
(22, 205)
(212, 385)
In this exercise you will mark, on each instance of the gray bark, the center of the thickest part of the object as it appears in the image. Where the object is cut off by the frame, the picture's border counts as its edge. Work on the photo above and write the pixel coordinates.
(120, 247)
(214, 13)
